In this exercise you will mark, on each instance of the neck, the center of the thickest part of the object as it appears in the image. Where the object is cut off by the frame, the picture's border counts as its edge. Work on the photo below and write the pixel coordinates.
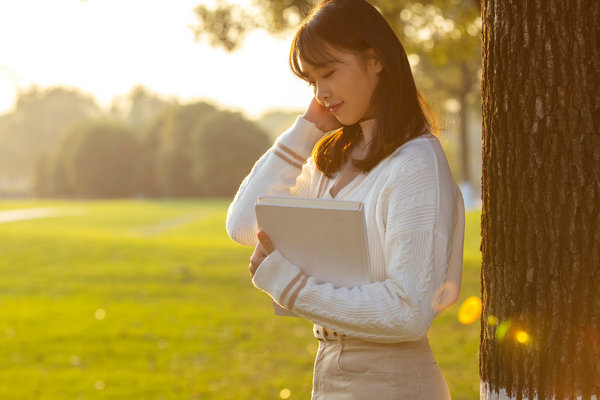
(368, 127)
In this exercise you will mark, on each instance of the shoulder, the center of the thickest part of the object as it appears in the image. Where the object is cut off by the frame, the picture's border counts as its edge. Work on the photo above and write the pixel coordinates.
(422, 146)
(416, 157)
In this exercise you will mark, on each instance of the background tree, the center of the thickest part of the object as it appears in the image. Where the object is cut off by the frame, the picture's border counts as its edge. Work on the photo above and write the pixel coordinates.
(39, 118)
(225, 146)
(139, 106)
(170, 142)
(541, 200)
(440, 36)
(199, 150)
(98, 159)
(193, 150)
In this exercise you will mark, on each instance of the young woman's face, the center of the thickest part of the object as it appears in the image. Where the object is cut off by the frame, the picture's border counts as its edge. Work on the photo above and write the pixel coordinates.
(346, 86)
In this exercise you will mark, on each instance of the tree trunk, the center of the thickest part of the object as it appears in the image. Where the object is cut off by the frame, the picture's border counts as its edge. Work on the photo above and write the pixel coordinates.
(464, 137)
(540, 329)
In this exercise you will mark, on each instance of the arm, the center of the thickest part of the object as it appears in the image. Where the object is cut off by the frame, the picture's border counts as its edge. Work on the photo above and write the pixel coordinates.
(275, 173)
(416, 256)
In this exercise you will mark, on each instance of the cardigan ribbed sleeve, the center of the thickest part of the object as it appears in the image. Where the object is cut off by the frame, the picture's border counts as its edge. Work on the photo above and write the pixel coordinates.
(415, 246)
(277, 172)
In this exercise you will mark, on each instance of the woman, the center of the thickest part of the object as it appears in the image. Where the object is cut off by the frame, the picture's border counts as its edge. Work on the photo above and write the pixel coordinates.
(372, 338)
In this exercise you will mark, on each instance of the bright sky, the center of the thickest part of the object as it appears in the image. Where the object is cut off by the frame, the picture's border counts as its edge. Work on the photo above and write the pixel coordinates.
(105, 47)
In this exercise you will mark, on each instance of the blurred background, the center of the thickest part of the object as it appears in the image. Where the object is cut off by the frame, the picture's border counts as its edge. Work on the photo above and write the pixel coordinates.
(125, 129)
(166, 88)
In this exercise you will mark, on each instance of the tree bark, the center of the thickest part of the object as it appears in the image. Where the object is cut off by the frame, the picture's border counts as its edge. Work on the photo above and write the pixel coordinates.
(540, 327)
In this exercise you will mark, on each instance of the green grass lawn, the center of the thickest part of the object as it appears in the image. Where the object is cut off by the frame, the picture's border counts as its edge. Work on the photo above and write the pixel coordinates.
(151, 300)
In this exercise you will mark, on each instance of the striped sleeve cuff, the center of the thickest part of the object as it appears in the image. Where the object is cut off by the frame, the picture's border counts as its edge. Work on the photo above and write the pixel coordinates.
(281, 279)
(288, 155)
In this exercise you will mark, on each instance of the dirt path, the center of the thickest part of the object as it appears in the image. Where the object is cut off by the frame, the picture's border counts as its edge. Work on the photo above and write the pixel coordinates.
(172, 223)
(22, 214)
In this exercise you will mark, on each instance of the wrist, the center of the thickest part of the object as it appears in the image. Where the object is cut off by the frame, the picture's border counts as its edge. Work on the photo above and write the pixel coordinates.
(311, 118)
(325, 123)
(301, 137)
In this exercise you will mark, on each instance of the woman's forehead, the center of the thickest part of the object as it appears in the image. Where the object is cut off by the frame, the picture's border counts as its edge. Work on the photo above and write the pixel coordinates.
(322, 58)
(317, 52)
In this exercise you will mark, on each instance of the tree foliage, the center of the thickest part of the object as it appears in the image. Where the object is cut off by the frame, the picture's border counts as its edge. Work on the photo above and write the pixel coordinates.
(440, 32)
(202, 151)
(143, 145)
(170, 142)
(139, 106)
(225, 146)
(96, 158)
(441, 37)
(39, 118)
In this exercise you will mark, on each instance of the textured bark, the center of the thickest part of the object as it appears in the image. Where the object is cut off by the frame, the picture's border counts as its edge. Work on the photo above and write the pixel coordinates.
(541, 198)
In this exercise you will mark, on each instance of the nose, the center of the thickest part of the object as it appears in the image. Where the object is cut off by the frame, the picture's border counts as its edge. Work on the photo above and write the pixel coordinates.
(321, 93)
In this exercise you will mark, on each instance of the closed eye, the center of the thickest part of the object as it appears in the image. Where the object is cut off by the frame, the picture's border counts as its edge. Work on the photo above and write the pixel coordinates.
(327, 75)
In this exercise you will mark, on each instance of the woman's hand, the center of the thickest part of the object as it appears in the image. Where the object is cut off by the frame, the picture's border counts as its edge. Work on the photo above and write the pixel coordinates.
(321, 117)
(262, 250)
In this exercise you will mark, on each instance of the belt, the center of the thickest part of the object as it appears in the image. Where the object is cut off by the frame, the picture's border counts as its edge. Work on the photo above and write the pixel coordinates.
(323, 333)
(329, 335)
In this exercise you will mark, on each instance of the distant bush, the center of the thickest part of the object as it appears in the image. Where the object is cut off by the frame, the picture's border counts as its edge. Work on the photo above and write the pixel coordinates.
(224, 147)
(35, 125)
(197, 150)
(96, 158)
(169, 142)
(192, 150)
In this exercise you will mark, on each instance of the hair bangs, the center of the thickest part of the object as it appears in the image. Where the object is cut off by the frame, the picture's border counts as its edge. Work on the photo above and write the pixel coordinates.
(309, 47)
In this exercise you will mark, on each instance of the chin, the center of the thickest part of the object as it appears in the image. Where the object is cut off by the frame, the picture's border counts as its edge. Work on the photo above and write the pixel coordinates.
(347, 121)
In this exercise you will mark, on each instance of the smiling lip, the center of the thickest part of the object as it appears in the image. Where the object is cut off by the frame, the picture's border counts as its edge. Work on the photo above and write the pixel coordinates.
(335, 107)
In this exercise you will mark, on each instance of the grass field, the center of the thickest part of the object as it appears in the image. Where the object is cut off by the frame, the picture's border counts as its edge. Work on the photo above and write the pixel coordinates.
(151, 300)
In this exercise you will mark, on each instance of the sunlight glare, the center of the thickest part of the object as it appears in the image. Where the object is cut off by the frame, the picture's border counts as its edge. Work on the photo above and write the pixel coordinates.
(405, 15)
(452, 105)
(75, 361)
(501, 330)
(78, 49)
(100, 314)
(414, 60)
(470, 310)
(522, 337)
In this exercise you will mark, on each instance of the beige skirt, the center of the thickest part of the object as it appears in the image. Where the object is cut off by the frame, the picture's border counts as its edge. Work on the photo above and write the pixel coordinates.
(354, 369)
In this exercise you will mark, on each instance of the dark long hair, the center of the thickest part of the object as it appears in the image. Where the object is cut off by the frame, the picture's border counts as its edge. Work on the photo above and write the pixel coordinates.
(401, 113)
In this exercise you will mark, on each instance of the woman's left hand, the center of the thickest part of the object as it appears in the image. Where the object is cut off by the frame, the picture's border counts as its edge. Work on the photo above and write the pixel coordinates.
(262, 250)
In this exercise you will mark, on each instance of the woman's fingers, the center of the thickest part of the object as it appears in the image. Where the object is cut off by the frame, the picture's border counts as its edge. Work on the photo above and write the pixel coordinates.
(256, 259)
(266, 242)
(252, 269)
(321, 117)
(261, 251)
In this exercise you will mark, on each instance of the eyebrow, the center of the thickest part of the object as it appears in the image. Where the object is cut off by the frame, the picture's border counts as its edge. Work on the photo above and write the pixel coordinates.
(326, 64)
(321, 66)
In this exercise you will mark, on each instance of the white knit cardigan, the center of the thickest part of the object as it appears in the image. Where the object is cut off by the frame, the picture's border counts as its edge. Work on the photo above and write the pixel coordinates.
(415, 226)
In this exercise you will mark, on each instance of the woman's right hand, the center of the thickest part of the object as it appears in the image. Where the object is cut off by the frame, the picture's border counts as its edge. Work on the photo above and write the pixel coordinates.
(321, 117)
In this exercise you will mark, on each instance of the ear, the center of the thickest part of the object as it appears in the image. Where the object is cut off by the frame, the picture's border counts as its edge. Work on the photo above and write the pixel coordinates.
(373, 60)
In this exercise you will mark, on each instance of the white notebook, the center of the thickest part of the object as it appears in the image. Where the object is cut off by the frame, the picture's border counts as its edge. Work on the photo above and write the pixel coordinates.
(326, 238)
